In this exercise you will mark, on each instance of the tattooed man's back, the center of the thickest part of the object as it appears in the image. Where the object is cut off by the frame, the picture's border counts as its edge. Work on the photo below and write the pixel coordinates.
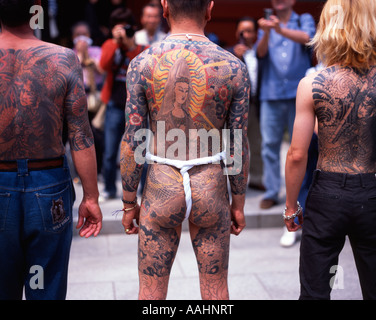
(345, 105)
(187, 87)
(40, 87)
(41, 92)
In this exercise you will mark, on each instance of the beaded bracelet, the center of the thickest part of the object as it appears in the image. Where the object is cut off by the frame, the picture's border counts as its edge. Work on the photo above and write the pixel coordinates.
(130, 202)
(297, 213)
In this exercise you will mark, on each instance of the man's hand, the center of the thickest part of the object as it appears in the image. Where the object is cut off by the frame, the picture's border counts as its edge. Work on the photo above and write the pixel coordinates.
(238, 221)
(240, 50)
(127, 220)
(120, 36)
(82, 50)
(118, 33)
(291, 225)
(89, 218)
(272, 23)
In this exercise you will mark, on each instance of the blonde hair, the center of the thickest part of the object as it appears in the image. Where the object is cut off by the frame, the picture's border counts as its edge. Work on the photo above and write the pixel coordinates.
(346, 33)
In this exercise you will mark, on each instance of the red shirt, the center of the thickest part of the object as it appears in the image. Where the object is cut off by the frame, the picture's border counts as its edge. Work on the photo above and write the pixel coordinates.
(107, 63)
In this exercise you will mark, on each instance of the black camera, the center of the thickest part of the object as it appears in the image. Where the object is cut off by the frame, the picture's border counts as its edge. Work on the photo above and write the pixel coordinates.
(129, 31)
(241, 38)
(267, 13)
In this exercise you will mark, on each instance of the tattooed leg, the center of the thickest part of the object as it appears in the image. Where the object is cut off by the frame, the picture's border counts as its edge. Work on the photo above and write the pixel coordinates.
(211, 246)
(162, 213)
(157, 251)
(210, 232)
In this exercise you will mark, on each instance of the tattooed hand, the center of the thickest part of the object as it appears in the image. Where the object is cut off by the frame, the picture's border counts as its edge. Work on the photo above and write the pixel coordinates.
(128, 218)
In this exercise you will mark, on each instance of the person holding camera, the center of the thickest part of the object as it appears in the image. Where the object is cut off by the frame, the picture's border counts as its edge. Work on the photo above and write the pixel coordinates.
(246, 35)
(282, 37)
(116, 56)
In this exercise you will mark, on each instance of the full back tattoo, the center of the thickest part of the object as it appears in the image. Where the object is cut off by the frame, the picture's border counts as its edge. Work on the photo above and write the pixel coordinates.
(345, 105)
(190, 86)
(41, 88)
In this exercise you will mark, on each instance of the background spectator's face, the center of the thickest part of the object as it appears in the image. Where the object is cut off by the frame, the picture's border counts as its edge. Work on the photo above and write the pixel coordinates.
(248, 30)
(116, 2)
(151, 18)
(281, 5)
(81, 31)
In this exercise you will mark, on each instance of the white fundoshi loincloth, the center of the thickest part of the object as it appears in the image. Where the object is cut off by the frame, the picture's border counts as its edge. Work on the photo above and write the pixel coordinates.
(184, 167)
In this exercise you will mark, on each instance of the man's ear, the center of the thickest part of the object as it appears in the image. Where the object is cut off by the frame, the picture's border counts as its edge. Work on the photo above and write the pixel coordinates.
(166, 9)
(209, 9)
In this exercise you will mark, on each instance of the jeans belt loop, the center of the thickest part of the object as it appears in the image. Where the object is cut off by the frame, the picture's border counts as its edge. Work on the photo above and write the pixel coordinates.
(22, 167)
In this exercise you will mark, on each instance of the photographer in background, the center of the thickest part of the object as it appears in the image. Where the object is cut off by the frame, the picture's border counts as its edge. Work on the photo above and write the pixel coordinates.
(282, 47)
(282, 37)
(89, 55)
(246, 34)
(116, 56)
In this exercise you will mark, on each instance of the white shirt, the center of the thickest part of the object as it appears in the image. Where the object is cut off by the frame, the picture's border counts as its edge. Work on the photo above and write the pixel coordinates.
(143, 39)
(252, 66)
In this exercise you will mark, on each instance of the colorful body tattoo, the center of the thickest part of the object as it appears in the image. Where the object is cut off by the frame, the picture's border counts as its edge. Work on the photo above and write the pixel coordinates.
(186, 86)
(40, 89)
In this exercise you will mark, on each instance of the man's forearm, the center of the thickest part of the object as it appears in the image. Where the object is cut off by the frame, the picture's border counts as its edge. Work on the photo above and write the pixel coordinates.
(238, 201)
(294, 171)
(295, 35)
(130, 170)
(86, 166)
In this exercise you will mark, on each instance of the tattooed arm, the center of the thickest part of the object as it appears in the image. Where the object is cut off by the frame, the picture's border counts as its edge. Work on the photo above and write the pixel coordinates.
(136, 113)
(238, 173)
(82, 149)
(296, 160)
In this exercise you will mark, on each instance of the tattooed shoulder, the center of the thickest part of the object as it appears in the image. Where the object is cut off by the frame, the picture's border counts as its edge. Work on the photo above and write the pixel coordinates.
(39, 87)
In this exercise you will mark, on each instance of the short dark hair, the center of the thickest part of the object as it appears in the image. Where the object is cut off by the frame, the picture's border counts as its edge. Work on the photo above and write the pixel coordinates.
(80, 24)
(190, 8)
(152, 5)
(120, 16)
(247, 18)
(14, 13)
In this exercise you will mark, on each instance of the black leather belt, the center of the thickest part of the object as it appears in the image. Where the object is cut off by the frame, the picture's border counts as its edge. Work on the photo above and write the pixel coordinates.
(33, 165)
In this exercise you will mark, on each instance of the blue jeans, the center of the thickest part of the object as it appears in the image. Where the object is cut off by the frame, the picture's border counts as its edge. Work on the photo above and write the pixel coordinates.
(35, 232)
(275, 117)
(113, 133)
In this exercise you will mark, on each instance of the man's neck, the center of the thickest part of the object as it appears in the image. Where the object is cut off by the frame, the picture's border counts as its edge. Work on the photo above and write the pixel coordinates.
(284, 15)
(187, 26)
(23, 32)
(151, 33)
(249, 45)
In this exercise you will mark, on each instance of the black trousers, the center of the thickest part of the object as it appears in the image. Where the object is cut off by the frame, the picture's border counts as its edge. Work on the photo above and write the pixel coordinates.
(338, 205)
